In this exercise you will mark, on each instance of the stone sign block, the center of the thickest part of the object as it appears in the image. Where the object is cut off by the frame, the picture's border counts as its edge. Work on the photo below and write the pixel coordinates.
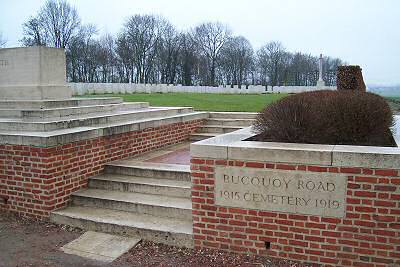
(33, 73)
(321, 194)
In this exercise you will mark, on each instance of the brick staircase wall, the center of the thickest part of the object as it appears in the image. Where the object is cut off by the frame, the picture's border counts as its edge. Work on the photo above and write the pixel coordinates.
(37, 180)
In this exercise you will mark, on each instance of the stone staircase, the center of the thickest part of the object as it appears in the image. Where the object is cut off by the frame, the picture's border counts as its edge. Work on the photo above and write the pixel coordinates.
(149, 200)
(223, 122)
(48, 122)
(137, 197)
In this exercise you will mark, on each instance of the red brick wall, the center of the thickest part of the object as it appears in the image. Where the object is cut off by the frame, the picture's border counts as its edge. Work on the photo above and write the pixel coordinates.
(368, 235)
(34, 181)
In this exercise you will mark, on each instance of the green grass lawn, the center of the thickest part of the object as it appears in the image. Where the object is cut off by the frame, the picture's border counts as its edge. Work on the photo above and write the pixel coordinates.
(206, 102)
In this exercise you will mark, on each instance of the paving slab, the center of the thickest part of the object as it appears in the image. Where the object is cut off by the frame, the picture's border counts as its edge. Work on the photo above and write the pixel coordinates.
(100, 246)
(180, 156)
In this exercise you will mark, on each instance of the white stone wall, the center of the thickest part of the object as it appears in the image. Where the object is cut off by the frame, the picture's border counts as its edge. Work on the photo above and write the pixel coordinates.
(129, 88)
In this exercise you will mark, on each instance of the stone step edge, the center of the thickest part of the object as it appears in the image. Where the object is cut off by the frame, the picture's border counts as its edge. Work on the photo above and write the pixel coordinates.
(71, 102)
(105, 115)
(229, 120)
(79, 99)
(78, 216)
(56, 137)
(233, 112)
(75, 107)
(205, 134)
(150, 166)
(156, 198)
(222, 126)
(130, 179)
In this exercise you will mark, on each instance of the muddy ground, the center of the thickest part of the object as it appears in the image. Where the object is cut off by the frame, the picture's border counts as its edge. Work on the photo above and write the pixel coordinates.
(26, 242)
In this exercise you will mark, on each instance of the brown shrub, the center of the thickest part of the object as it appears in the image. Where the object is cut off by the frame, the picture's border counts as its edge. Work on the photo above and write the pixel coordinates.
(350, 78)
(327, 117)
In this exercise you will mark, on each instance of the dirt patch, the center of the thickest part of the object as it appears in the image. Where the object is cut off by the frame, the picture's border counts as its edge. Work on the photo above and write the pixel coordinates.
(152, 254)
(26, 242)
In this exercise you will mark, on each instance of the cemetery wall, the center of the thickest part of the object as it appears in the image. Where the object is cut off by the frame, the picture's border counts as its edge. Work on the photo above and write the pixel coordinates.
(129, 88)
(329, 205)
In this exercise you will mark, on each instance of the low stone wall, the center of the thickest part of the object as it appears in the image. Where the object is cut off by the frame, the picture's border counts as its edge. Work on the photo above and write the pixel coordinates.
(129, 88)
(37, 180)
(329, 205)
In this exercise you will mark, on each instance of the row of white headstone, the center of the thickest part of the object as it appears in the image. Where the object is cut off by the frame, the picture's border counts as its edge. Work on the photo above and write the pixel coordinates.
(129, 88)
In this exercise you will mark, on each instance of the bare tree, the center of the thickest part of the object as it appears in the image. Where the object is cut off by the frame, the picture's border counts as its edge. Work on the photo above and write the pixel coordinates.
(187, 59)
(83, 55)
(107, 58)
(210, 39)
(270, 58)
(236, 60)
(34, 34)
(125, 60)
(168, 50)
(60, 21)
(54, 25)
(142, 34)
(149, 49)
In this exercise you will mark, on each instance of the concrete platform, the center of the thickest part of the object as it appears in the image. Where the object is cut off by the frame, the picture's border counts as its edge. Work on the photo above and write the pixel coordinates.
(100, 246)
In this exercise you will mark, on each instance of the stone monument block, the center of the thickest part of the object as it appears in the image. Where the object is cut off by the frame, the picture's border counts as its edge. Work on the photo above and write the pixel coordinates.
(33, 73)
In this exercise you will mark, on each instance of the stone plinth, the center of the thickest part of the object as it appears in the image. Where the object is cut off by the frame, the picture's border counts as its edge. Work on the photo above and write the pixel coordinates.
(33, 73)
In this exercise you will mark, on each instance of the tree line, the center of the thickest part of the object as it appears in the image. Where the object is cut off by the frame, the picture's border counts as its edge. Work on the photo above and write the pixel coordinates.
(149, 49)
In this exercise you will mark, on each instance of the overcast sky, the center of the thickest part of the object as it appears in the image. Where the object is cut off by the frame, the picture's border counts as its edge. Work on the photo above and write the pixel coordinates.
(362, 32)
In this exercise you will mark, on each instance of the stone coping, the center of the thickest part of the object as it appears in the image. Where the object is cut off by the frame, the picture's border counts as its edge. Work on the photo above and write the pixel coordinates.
(231, 146)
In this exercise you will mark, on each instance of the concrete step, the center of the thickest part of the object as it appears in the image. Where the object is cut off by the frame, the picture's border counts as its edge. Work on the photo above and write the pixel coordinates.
(233, 115)
(168, 231)
(202, 136)
(89, 120)
(218, 129)
(150, 170)
(47, 104)
(229, 122)
(126, 183)
(67, 112)
(157, 205)
(63, 136)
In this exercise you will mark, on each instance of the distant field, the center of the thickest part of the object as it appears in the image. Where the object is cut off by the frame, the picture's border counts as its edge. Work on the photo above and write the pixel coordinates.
(206, 102)
(216, 102)
(394, 103)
